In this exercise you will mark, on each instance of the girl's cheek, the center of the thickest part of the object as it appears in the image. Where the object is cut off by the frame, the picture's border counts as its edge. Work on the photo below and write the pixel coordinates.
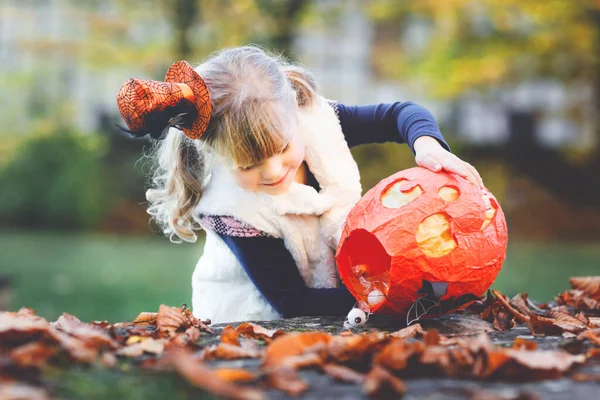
(245, 180)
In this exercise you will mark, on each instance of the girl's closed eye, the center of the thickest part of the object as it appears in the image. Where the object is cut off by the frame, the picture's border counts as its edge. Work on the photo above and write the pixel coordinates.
(248, 168)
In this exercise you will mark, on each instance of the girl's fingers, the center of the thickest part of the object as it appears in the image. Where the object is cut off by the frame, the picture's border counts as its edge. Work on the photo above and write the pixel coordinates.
(429, 163)
(463, 170)
(475, 174)
(452, 166)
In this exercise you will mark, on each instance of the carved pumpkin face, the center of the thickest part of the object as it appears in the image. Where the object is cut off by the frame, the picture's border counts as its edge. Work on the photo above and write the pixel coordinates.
(422, 235)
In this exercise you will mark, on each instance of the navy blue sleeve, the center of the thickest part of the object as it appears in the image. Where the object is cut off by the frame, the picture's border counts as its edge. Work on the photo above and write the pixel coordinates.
(395, 122)
(273, 271)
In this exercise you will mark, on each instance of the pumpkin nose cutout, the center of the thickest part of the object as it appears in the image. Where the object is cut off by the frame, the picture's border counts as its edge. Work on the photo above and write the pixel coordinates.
(434, 236)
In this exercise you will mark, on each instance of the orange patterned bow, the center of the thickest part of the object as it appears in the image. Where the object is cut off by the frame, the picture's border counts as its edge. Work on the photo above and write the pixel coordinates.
(152, 107)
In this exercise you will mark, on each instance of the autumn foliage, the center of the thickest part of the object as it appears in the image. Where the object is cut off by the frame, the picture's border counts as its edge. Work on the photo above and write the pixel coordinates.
(377, 361)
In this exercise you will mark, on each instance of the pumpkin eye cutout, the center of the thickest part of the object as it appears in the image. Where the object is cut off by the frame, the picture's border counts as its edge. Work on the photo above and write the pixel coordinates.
(434, 236)
(490, 211)
(449, 193)
(395, 197)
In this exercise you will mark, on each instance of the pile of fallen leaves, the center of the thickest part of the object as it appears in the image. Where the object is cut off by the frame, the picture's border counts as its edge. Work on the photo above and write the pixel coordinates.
(377, 361)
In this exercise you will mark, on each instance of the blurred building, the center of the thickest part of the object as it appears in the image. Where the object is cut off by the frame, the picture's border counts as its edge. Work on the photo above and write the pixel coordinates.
(48, 64)
(44, 74)
(340, 53)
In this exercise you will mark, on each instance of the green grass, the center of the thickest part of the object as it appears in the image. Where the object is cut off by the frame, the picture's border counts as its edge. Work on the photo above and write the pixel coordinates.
(97, 383)
(543, 269)
(112, 278)
(96, 277)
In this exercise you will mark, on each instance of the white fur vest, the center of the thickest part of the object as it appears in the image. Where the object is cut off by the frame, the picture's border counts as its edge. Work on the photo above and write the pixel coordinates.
(309, 222)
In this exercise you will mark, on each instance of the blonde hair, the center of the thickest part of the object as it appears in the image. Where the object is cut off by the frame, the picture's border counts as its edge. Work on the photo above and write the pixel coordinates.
(253, 95)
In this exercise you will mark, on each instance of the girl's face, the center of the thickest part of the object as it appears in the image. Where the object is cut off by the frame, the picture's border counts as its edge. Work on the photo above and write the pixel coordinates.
(275, 174)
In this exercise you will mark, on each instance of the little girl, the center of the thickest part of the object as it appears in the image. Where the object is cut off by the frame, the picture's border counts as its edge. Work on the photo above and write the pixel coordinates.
(257, 158)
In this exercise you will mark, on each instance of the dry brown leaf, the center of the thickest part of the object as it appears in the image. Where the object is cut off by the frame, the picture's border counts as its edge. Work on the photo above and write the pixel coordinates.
(517, 314)
(559, 323)
(590, 285)
(479, 306)
(524, 344)
(594, 322)
(587, 304)
(101, 324)
(463, 359)
(355, 348)
(593, 354)
(503, 320)
(593, 335)
(198, 323)
(33, 354)
(412, 331)
(92, 335)
(149, 345)
(396, 353)
(254, 331)
(546, 360)
(204, 377)
(431, 337)
(478, 394)
(66, 323)
(230, 336)
(292, 345)
(21, 391)
(585, 377)
(343, 374)
(570, 324)
(224, 351)
(77, 349)
(135, 339)
(583, 318)
(170, 319)
(438, 358)
(527, 365)
(235, 375)
(313, 356)
(109, 360)
(520, 303)
(146, 318)
(480, 344)
(17, 328)
(287, 380)
(190, 336)
(379, 382)
(499, 316)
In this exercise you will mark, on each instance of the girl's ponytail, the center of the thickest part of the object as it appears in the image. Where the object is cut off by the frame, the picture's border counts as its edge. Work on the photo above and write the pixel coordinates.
(242, 82)
(303, 84)
(177, 182)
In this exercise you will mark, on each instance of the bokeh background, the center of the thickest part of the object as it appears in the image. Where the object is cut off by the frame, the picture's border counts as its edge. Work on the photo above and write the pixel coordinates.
(515, 86)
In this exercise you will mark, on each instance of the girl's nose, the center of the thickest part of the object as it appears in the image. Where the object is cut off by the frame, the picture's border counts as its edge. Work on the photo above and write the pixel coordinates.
(273, 169)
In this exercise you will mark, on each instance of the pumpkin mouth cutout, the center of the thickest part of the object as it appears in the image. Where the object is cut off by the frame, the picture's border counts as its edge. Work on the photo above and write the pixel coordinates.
(434, 236)
(398, 195)
(366, 264)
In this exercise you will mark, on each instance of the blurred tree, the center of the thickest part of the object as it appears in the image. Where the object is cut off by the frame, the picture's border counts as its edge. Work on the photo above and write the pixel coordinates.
(459, 45)
(454, 47)
(56, 181)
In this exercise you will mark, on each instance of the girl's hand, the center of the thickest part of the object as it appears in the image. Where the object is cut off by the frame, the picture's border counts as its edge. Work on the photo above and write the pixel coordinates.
(431, 155)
